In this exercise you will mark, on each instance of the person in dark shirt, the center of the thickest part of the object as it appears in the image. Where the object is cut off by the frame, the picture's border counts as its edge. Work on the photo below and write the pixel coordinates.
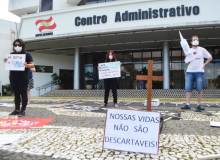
(110, 83)
(19, 79)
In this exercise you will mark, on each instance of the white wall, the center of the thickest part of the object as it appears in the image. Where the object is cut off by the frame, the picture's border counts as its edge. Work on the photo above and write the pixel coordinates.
(21, 7)
(57, 61)
(6, 41)
(61, 4)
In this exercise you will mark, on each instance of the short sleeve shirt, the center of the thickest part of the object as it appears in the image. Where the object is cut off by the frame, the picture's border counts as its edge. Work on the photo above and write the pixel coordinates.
(197, 64)
(22, 74)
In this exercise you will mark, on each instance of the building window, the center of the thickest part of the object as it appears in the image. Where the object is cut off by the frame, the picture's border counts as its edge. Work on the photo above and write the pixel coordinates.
(44, 69)
(177, 69)
(133, 63)
(96, 1)
(46, 5)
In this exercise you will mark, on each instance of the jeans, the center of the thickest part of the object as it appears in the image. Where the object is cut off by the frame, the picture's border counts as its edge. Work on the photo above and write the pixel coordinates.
(194, 77)
(141, 84)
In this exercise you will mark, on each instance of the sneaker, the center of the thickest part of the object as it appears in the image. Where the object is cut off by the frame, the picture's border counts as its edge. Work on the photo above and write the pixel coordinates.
(200, 107)
(14, 113)
(21, 114)
(186, 107)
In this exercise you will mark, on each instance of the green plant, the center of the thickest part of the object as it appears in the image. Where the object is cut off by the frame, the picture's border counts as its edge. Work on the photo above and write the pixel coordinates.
(56, 78)
(6, 90)
(90, 77)
(89, 82)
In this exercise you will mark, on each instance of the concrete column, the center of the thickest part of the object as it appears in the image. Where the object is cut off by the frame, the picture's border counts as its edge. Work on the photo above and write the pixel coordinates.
(77, 69)
(166, 65)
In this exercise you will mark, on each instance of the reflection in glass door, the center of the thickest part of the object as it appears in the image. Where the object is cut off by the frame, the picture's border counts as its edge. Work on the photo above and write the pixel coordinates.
(128, 75)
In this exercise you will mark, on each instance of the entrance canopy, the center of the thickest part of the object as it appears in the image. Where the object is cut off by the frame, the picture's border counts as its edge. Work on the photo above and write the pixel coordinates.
(124, 41)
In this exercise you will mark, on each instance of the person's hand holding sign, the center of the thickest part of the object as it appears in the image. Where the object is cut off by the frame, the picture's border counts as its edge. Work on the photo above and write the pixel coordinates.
(25, 64)
(5, 60)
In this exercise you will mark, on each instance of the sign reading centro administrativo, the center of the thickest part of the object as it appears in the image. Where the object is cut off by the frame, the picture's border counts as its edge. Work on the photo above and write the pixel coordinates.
(140, 15)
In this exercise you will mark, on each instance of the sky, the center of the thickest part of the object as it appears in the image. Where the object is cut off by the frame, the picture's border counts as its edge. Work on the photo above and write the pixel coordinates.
(4, 14)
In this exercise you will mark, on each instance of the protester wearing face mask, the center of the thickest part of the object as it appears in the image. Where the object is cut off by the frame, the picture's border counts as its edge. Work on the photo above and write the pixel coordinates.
(19, 79)
(110, 82)
(195, 72)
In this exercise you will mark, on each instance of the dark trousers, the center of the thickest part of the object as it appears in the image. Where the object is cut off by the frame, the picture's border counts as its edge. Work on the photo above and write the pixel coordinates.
(110, 83)
(19, 87)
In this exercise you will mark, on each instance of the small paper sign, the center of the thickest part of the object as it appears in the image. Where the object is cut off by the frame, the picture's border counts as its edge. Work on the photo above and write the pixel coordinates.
(190, 57)
(15, 62)
(214, 124)
(132, 131)
(109, 70)
(9, 138)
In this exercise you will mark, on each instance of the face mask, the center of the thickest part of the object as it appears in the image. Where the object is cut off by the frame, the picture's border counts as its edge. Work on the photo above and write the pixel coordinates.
(110, 57)
(18, 49)
(195, 43)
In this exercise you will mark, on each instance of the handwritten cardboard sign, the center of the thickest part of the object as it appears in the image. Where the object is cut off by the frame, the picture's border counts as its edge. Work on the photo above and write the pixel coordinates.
(132, 131)
(15, 62)
(109, 70)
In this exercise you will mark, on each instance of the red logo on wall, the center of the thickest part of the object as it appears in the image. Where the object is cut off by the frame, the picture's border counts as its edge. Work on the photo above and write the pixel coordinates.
(45, 24)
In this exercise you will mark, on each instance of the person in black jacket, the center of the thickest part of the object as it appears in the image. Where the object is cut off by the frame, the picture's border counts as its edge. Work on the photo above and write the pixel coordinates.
(110, 82)
(19, 79)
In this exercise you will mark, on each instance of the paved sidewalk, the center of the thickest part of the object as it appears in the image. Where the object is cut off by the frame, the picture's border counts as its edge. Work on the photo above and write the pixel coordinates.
(81, 136)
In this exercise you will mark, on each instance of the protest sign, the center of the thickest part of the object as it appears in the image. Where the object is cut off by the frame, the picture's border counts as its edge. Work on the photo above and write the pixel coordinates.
(186, 49)
(24, 123)
(5, 105)
(9, 138)
(109, 70)
(214, 124)
(133, 131)
(15, 62)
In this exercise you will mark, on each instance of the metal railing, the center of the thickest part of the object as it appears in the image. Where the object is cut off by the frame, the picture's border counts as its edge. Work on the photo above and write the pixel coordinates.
(100, 85)
(48, 85)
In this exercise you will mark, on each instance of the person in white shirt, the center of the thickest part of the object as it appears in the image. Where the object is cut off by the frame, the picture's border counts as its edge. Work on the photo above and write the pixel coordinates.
(195, 72)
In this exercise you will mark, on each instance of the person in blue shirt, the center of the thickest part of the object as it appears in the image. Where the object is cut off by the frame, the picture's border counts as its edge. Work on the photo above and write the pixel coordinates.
(140, 83)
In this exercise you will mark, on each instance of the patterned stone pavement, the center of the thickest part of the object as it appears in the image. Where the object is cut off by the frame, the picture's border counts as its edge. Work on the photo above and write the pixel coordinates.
(81, 136)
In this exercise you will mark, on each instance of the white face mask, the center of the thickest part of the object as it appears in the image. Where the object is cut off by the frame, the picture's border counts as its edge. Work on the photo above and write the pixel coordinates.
(110, 56)
(18, 49)
(195, 43)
